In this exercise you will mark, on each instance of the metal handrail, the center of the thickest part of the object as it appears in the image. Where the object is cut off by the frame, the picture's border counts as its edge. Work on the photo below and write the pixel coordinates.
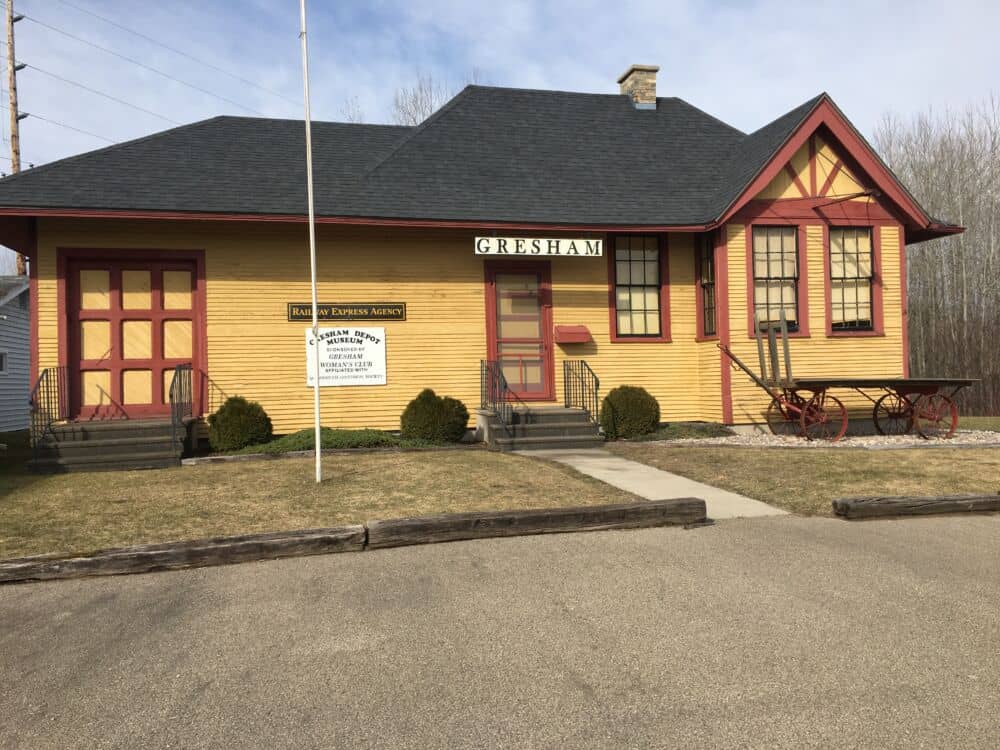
(496, 394)
(48, 403)
(581, 388)
(181, 399)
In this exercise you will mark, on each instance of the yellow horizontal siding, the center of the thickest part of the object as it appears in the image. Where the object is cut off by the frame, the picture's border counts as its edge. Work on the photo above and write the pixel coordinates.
(254, 270)
(667, 370)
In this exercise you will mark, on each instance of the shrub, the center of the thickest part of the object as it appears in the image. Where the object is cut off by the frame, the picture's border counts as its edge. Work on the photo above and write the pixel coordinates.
(303, 440)
(431, 417)
(237, 424)
(629, 411)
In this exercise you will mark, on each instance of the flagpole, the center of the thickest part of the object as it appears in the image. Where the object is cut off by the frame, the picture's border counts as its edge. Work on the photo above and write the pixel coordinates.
(312, 237)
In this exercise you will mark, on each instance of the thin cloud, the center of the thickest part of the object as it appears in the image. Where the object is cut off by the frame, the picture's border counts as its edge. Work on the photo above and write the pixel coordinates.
(745, 62)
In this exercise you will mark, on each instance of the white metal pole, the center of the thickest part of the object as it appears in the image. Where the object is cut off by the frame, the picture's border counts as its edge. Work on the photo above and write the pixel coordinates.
(312, 236)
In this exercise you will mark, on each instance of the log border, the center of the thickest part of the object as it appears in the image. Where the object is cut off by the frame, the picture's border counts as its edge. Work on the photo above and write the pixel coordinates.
(887, 507)
(147, 558)
(457, 526)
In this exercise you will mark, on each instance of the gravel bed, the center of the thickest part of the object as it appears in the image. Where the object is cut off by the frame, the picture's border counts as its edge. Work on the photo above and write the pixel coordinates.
(961, 439)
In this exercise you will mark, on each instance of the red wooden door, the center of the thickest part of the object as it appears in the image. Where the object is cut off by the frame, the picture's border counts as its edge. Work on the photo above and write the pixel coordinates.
(519, 327)
(129, 325)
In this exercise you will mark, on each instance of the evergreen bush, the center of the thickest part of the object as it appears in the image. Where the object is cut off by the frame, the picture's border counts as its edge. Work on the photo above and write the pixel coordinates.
(629, 411)
(237, 424)
(435, 418)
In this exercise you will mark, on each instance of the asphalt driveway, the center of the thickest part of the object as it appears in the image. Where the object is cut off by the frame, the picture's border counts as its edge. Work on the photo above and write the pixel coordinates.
(783, 632)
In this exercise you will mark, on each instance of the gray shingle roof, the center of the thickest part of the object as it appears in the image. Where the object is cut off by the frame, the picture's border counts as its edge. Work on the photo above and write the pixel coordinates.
(491, 154)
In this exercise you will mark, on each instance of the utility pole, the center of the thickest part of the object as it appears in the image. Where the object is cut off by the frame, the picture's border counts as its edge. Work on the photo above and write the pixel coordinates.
(15, 115)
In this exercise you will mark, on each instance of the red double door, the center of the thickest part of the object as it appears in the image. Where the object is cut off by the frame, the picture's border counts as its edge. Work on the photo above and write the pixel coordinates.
(129, 325)
(519, 326)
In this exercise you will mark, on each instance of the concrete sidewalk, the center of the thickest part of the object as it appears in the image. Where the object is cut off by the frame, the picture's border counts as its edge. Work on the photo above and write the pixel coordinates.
(656, 484)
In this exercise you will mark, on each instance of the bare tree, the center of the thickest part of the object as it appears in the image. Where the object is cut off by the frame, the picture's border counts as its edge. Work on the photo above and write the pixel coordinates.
(951, 162)
(411, 105)
(351, 110)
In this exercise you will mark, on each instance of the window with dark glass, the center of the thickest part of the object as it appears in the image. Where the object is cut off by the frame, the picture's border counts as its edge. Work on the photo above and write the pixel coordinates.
(706, 281)
(851, 278)
(776, 275)
(637, 285)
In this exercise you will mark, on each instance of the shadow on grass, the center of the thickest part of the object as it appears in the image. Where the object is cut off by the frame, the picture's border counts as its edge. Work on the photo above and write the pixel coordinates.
(14, 473)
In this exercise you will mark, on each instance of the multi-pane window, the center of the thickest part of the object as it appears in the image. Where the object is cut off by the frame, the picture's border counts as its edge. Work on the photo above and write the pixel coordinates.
(851, 276)
(637, 285)
(706, 282)
(776, 275)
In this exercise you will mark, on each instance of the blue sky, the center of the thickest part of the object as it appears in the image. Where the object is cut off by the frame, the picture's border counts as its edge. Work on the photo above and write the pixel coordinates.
(745, 62)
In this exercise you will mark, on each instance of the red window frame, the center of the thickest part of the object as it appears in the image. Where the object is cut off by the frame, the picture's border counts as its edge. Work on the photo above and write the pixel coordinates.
(706, 241)
(665, 336)
(878, 313)
(801, 292)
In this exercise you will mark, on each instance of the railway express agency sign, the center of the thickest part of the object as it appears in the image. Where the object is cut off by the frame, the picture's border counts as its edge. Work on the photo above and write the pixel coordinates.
(540, 247)
(347, 356)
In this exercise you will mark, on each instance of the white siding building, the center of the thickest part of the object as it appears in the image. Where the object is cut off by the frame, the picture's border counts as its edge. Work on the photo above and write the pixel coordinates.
(15, 385)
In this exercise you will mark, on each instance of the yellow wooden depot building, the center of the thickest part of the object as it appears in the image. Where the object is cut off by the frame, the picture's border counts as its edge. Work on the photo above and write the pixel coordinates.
(526, 228)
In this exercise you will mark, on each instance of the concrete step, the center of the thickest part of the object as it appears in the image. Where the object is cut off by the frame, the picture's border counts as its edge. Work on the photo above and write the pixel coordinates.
(111, 429)
(547, 414)
(555, 429)
(117, 446)
(105, 462)
(506, 444)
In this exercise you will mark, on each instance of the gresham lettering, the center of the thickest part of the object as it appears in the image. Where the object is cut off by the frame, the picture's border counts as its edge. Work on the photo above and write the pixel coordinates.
(541, 246)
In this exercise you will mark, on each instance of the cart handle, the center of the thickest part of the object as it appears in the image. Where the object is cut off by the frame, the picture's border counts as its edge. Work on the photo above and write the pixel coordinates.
(753, 376)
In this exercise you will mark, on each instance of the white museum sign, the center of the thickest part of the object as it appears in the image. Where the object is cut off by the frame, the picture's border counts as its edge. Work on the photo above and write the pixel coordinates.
(347, 356)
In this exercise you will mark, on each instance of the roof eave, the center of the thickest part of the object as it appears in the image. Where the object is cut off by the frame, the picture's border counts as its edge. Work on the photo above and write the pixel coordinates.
(932, 231)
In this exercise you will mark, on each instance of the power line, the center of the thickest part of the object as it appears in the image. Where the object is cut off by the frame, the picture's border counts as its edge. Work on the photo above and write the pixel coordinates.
(176, 51)
(101, 93)
(140, 64)
(64, 125)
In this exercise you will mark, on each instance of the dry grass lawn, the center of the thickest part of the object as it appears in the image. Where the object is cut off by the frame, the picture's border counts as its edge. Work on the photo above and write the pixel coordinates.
(76, 513)
(806, 480)
(979, 423)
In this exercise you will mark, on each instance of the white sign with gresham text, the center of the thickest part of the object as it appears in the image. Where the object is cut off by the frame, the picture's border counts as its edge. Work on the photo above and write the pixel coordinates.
(347, 356)
(540, 247)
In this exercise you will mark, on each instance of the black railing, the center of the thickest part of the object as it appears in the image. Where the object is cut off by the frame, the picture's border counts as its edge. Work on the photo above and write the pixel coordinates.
(49, 403)
(581, 388)
(181, 400)
(495, 394)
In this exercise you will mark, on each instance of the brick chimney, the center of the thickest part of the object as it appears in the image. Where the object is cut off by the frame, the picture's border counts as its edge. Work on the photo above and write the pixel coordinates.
(639, 83)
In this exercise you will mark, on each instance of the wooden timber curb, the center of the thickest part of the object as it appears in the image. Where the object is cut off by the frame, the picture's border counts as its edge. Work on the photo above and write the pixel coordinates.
(146, 558)
(450, 527)
(883, 507)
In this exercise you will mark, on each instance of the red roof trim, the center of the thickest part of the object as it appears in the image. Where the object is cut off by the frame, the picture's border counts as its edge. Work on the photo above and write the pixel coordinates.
(825, 113)
(346, 220)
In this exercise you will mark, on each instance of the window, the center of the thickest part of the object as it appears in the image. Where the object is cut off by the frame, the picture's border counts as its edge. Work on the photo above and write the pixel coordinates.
(706, 283)
(637, 286)
(776, 275)
(851, 279)
(3, 363)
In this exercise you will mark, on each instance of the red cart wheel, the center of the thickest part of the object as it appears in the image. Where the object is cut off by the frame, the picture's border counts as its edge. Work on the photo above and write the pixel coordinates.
(783, 420)
(935, 416)
(823, 418)
(893, 415)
